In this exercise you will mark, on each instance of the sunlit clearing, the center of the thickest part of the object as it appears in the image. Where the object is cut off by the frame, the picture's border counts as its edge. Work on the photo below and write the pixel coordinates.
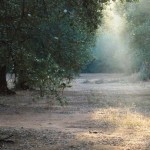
(118, 127)
(123, 118)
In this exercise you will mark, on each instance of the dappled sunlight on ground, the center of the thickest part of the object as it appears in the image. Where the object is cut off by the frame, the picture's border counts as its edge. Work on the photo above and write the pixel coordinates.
(122, 117)
(121, 127)
(107, 112)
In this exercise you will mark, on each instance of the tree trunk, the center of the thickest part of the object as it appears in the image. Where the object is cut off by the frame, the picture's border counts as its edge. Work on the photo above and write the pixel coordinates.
(3, 82)
(22, 82)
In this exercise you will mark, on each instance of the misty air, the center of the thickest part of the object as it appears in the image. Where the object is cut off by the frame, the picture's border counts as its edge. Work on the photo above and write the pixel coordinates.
(75, 75)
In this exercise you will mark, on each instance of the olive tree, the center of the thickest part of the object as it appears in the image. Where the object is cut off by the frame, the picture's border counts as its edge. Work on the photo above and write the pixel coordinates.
(45, 41)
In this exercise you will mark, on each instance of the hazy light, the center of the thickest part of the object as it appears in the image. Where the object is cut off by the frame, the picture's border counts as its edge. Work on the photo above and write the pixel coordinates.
(112, 39)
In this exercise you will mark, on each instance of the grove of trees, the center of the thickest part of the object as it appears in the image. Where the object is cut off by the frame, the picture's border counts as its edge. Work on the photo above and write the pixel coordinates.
(138, 17)
(45, 42)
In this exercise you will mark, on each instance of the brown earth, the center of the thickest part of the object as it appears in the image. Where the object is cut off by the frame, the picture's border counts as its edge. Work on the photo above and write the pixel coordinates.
(104, 112)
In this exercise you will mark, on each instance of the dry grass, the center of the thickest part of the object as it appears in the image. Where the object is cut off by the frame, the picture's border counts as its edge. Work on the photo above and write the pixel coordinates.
(126, 130)
(123, 117)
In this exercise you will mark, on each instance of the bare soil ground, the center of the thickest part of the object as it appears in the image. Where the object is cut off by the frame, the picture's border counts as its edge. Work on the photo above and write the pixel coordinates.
(104, 112)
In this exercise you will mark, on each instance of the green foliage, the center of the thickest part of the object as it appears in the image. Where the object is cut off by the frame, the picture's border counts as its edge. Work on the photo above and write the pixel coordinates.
(47, 42)
(138, 17)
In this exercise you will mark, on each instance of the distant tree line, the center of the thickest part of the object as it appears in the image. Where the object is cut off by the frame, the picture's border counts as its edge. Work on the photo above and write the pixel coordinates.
(138, 29)
(138, 17)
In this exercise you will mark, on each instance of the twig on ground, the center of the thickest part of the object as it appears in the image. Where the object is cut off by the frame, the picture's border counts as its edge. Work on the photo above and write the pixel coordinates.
(7, 139)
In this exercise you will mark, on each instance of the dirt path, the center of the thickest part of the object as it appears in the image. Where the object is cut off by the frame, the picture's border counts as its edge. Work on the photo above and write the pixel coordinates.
(104, 112)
